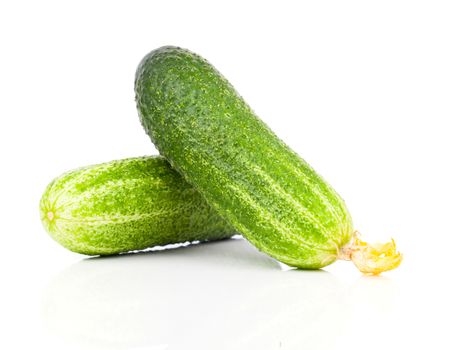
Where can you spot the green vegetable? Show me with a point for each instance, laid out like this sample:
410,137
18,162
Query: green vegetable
126,205
264,189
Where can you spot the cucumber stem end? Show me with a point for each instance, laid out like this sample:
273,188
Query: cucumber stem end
50,215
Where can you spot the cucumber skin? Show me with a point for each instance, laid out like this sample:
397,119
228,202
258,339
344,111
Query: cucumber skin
125,205
257,183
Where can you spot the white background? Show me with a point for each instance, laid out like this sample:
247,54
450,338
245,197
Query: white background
361,89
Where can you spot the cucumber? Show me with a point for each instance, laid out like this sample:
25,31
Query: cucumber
125,205
244,171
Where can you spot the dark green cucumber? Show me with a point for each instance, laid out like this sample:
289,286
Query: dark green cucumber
257,183
126,205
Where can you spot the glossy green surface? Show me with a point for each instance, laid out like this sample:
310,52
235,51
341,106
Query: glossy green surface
125,205
210,135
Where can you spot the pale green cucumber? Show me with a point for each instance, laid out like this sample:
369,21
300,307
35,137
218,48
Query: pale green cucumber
125,205
255,181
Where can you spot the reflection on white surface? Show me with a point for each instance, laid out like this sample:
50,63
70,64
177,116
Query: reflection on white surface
221,295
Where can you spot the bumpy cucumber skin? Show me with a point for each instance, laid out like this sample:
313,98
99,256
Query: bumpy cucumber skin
257,183
125,205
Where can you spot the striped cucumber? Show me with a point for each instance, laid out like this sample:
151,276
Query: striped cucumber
264,189
126,205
